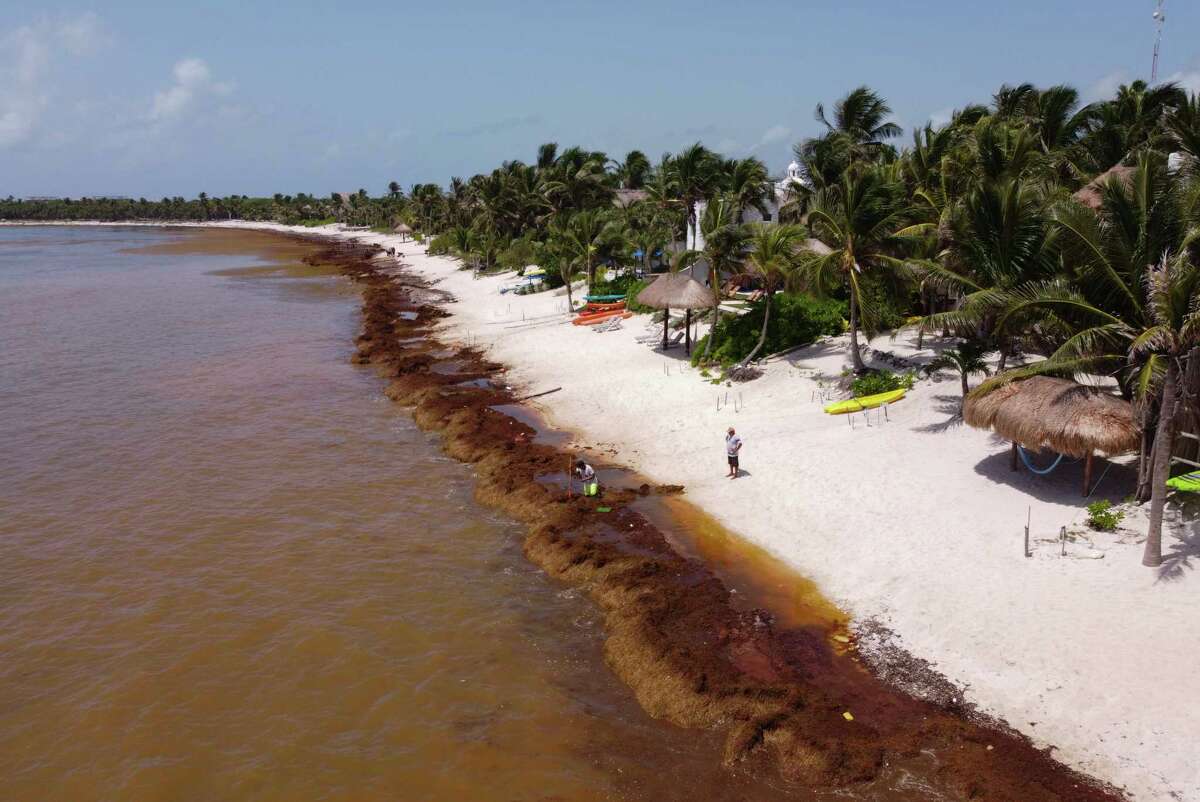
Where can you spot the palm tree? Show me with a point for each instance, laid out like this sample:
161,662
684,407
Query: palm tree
1183,125
724,248
547,155
747,183
1089,318
858,220
1001,241
1174,317
394,189
861,117
583,235
632,172
965,360
694,177
649,239
773,258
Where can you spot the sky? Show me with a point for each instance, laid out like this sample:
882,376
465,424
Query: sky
153,99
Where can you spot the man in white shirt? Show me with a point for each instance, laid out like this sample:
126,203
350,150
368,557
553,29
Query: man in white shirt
587,475
733,444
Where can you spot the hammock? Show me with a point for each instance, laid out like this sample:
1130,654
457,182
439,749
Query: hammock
1039,471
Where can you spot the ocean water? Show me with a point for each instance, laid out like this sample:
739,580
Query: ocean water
231,570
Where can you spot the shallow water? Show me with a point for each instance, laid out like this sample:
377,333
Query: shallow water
230,569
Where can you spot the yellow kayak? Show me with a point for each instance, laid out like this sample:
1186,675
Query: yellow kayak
866,402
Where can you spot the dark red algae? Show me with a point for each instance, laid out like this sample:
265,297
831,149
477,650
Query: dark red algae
781,696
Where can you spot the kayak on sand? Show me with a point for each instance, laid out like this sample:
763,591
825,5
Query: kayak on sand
866,402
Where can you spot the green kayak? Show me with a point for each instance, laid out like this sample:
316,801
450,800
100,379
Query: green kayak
1186,483
601,298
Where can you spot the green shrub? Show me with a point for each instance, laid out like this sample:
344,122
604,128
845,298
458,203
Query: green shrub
1102,516
440,245
796,319
883,381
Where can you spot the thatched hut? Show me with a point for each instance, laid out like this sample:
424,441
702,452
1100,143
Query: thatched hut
679,291
403,230
1092,194
1044,413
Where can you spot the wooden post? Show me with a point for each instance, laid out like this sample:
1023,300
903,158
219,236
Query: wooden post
1087,474
666,320
1012,466
687,327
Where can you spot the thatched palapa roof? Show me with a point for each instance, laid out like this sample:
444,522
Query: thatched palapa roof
1043,412
402,229
1092,195
677,291
627,197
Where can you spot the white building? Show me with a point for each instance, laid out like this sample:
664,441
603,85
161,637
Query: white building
781,194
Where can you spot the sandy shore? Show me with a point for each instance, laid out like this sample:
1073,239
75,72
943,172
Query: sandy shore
915,523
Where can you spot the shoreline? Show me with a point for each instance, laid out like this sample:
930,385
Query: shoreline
961,648
674,632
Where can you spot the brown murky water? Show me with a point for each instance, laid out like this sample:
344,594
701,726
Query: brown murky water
230,569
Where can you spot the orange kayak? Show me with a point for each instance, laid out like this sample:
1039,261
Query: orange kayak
588,320
592,308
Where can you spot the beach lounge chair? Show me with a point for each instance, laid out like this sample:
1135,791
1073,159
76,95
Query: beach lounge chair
675,339
612,324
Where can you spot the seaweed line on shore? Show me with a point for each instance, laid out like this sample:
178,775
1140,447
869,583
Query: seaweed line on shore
673,633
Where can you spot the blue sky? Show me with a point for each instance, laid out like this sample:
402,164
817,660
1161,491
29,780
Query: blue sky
153,98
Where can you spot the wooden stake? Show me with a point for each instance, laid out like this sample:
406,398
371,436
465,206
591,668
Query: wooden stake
1013,460
687,327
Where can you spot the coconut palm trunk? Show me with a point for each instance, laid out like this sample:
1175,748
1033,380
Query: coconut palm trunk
855,356
1162,465
716,319
762,335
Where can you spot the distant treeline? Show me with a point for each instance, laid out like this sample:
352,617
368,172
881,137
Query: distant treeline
357,208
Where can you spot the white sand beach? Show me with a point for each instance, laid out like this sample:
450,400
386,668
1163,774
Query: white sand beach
915,522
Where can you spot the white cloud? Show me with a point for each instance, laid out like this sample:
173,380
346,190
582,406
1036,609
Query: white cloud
941,117
82,35
193,82
24,55
776,133
772,136
1106,87
27,55
1188,80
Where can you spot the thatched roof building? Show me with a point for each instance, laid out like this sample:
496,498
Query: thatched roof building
679,291
627,197
1063,416
1092,195
675,291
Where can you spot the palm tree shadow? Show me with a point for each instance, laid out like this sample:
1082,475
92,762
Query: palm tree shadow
1179,560
947,404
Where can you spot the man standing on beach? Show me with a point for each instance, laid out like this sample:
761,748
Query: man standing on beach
733,444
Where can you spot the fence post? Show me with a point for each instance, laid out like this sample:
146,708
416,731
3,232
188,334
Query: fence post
1028,520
